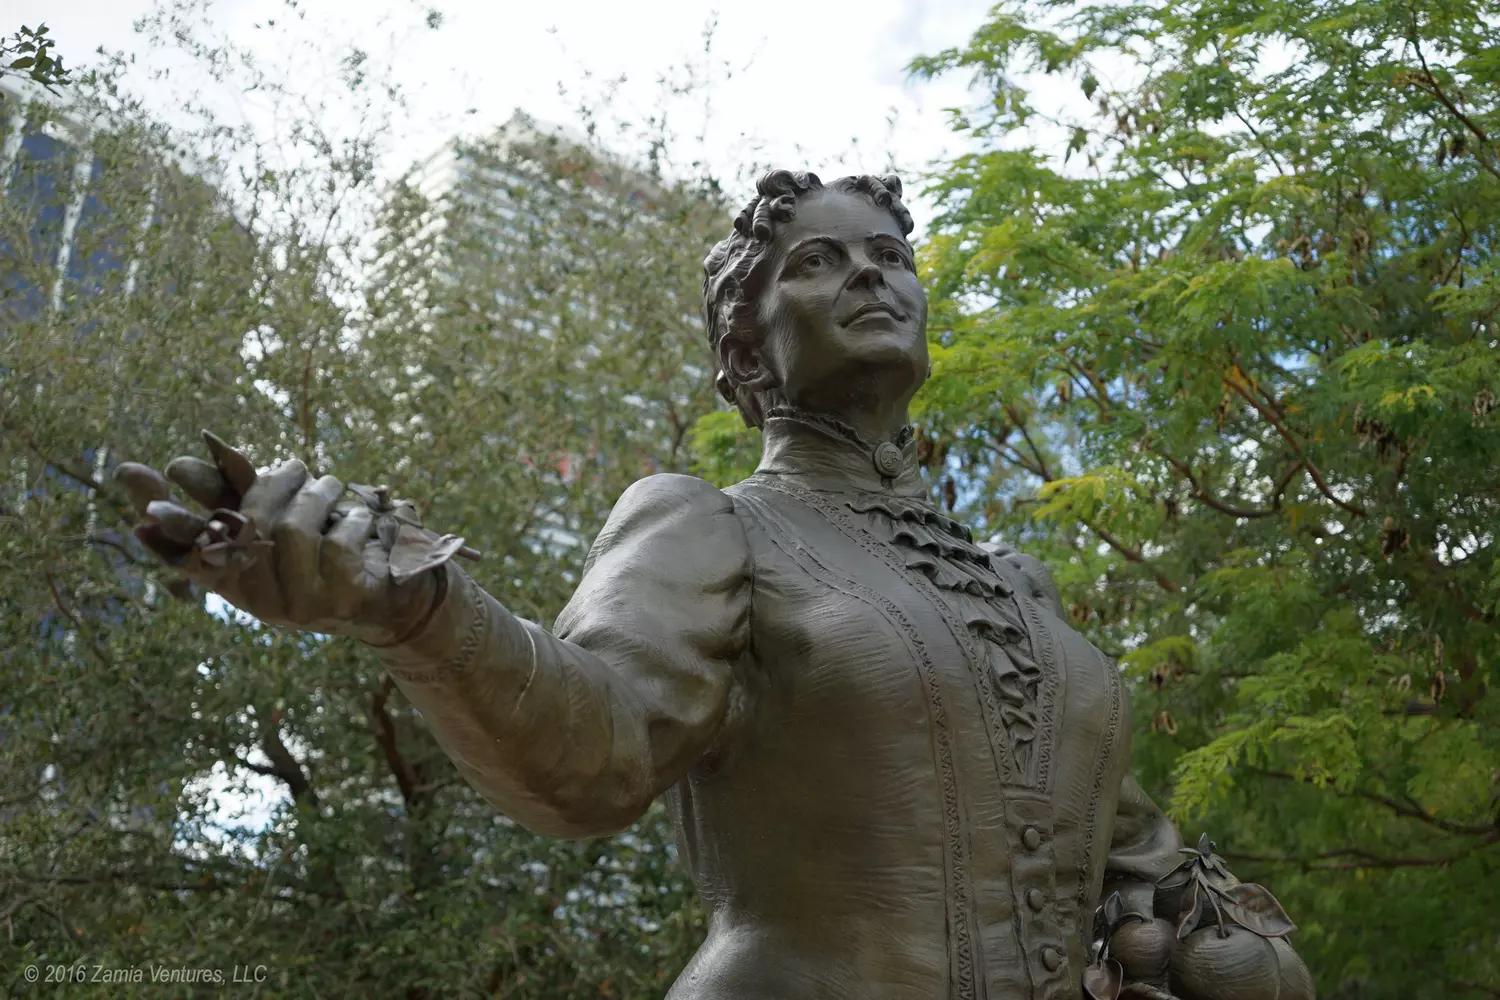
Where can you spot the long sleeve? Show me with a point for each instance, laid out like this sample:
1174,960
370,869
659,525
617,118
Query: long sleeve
573,734
1145,844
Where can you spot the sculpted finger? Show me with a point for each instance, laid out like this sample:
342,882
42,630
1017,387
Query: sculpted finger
178,524
142,484
186,558
298,536
342,561
239,473
203,482
270,494
164,548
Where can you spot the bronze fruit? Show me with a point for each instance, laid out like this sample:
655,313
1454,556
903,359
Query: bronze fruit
1143,947
1240,965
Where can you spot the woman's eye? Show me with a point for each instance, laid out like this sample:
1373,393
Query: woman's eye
813,261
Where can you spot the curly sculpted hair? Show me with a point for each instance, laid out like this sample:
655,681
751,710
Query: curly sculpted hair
736,269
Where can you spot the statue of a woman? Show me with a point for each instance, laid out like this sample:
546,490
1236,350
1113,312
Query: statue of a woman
894,769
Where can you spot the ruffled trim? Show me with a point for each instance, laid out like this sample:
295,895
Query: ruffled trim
943,550
1012,669
917,512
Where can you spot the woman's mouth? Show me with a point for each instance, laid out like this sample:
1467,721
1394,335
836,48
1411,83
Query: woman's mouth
872,309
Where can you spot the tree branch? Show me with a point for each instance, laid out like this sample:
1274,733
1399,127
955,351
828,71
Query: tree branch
1039,469
1407,810
117,546
1036,454
1202,494
36,449
1100,395
1009,452
84,634
1133,555
1429,83
116,878
285,767
1312,470
307,429
1363,859
1283,482
385,736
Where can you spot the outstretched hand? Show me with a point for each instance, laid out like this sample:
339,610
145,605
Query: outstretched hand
282,546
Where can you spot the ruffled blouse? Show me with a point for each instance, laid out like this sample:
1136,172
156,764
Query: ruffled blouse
943,550
978,582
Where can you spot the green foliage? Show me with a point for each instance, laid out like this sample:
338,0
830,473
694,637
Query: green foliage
725,450
1222,348
29,53
510,374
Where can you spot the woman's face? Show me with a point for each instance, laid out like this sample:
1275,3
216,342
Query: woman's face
846,317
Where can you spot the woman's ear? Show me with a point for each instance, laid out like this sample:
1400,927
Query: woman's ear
742,363
742,371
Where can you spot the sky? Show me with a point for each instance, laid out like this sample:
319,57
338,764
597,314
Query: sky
826,89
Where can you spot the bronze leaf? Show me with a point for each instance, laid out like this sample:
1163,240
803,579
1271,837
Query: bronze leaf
1104,980
1255,909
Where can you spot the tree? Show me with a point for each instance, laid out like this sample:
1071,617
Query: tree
511,394
29,54
1225,355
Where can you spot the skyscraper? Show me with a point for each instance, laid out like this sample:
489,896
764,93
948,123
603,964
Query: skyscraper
527,235
98,221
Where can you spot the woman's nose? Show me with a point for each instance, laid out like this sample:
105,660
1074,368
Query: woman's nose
867,274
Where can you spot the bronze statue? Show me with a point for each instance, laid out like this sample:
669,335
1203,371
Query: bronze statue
895,770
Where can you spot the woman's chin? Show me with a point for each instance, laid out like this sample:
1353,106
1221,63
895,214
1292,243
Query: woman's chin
879,333
889,372
896,347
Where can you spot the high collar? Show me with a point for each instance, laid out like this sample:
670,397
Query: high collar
820,452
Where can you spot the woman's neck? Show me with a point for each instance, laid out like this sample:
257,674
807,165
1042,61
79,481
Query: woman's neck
874,410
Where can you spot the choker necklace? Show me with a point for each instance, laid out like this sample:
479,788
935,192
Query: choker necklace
888,457
900,439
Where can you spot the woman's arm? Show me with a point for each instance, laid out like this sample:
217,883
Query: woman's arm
574,734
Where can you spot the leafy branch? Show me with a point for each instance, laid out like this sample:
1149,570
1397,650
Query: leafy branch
29,53
1407,810
137,879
